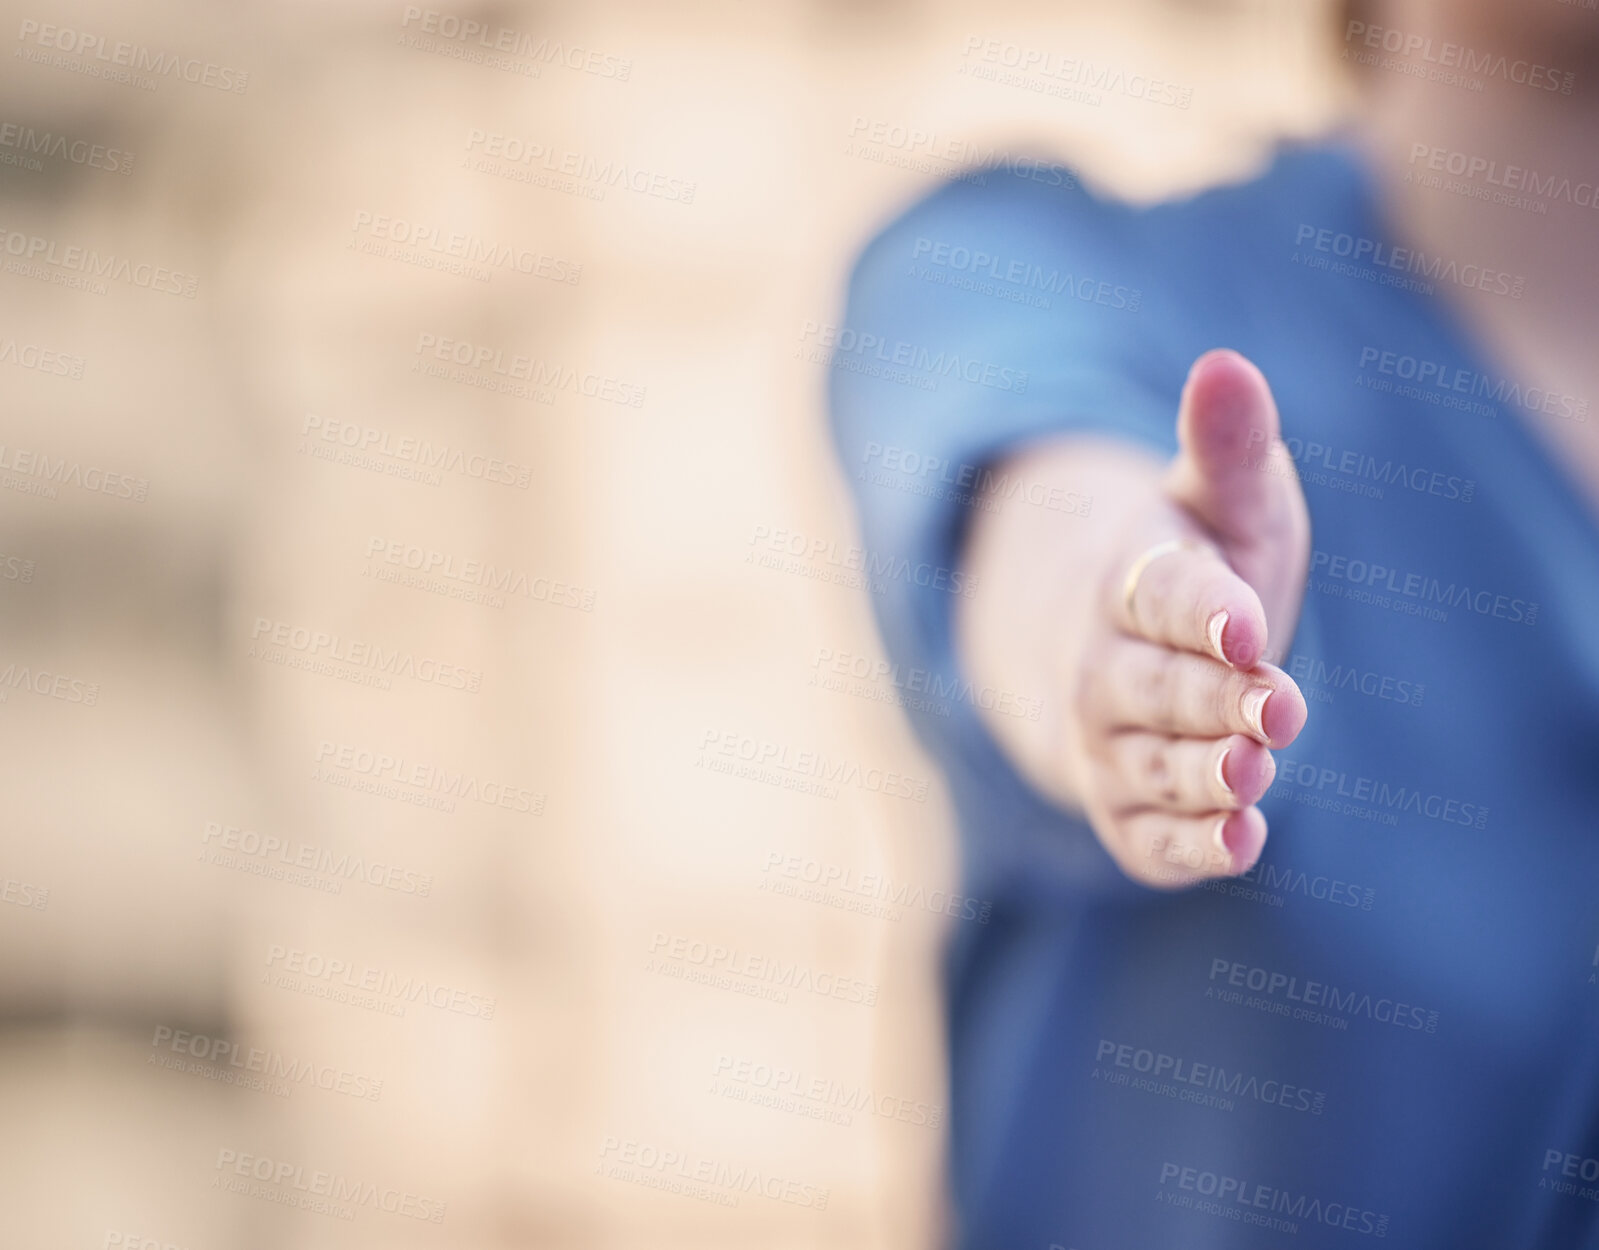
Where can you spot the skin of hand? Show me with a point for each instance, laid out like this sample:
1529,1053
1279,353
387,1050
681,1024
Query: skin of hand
1162,708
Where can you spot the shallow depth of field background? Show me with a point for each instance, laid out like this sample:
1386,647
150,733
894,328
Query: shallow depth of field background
595,717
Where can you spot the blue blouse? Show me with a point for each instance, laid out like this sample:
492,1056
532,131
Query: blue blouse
1390,1028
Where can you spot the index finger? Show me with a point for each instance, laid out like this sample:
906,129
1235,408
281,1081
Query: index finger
1183,594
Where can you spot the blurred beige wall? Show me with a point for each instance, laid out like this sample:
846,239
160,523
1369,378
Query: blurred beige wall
319,874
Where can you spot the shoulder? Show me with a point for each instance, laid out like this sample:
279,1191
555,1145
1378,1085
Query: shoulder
1012,225
988,218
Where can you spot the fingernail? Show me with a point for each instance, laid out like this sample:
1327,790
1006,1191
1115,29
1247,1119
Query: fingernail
1218,622
1221,773
1255,711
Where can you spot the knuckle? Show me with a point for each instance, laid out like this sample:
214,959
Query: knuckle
1178,692
1194,694
1159,777
1154,690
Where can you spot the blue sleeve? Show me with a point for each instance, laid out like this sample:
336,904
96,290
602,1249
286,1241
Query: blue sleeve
993,313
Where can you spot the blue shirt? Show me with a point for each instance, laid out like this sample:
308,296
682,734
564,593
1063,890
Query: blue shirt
1389,1031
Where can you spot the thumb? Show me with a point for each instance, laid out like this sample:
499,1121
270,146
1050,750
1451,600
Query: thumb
1234,475
1232,471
